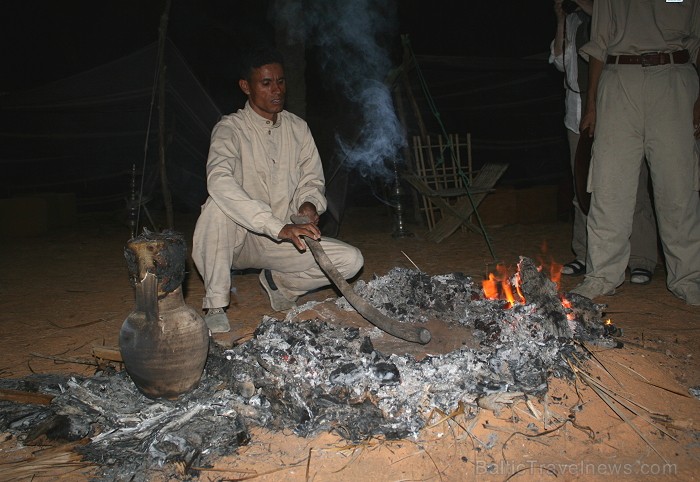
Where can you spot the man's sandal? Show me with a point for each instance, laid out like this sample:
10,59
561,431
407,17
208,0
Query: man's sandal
575,268
640,276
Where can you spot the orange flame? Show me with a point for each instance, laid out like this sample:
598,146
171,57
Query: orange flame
499,286
490,287
555,273
554,268
517,288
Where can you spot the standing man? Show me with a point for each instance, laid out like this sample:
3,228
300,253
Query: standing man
573,31
263,167
643,100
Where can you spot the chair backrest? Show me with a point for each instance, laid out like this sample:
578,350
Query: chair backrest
445,167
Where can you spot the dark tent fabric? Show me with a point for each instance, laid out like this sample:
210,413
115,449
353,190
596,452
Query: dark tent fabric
84,133
513,108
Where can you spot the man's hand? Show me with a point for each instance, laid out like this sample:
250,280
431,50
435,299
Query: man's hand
293,233
307,227
595,69
588,122
308,210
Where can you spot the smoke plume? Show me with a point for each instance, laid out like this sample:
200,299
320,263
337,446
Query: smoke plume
351,37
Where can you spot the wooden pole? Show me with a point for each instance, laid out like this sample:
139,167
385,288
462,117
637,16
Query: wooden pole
167,197
405,67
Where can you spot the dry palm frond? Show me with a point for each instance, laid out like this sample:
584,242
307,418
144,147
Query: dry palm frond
439,472
293,465
541,467
670,390
414,264
589,380
599,363
217,469
546,415
535,413
308,464
646,380
413,454
421,450
460,410
615,402
446,416
524,413
356,453
633,371
587,430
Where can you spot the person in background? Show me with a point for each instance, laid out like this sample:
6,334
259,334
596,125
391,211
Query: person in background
263,167
573,31
643,101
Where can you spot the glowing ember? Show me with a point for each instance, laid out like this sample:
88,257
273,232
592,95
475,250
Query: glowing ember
567,304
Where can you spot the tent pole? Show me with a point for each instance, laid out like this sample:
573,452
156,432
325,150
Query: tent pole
167,197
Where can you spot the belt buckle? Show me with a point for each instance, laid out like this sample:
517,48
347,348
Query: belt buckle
650,59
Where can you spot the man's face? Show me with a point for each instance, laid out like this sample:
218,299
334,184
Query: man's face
266,90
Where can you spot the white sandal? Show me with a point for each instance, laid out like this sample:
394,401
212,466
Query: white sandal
575,268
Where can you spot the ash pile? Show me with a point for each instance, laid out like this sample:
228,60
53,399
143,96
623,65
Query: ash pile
313,376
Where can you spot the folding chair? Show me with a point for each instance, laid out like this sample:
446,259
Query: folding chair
449,186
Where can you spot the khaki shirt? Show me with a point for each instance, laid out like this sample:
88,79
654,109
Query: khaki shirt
634,27
259,173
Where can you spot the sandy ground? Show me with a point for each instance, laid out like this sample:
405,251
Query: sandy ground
65,292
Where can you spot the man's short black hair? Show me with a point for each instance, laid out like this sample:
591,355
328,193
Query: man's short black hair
255,58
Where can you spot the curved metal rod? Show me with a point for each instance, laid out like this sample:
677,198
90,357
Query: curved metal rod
370,313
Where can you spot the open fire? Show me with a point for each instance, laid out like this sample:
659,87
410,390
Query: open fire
324,375
505,285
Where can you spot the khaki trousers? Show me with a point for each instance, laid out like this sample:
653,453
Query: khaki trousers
645,112
219,244
644,250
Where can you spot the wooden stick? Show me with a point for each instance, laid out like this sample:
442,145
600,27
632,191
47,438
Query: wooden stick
79,361
107,353
414,264
405,331
21,396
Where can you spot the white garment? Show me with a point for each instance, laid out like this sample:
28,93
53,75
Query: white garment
258,174
567,62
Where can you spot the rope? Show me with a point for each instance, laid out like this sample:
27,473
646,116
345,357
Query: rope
436,113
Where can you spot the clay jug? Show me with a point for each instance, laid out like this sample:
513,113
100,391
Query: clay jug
164,342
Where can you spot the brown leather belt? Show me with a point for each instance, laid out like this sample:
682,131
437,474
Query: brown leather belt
651,59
